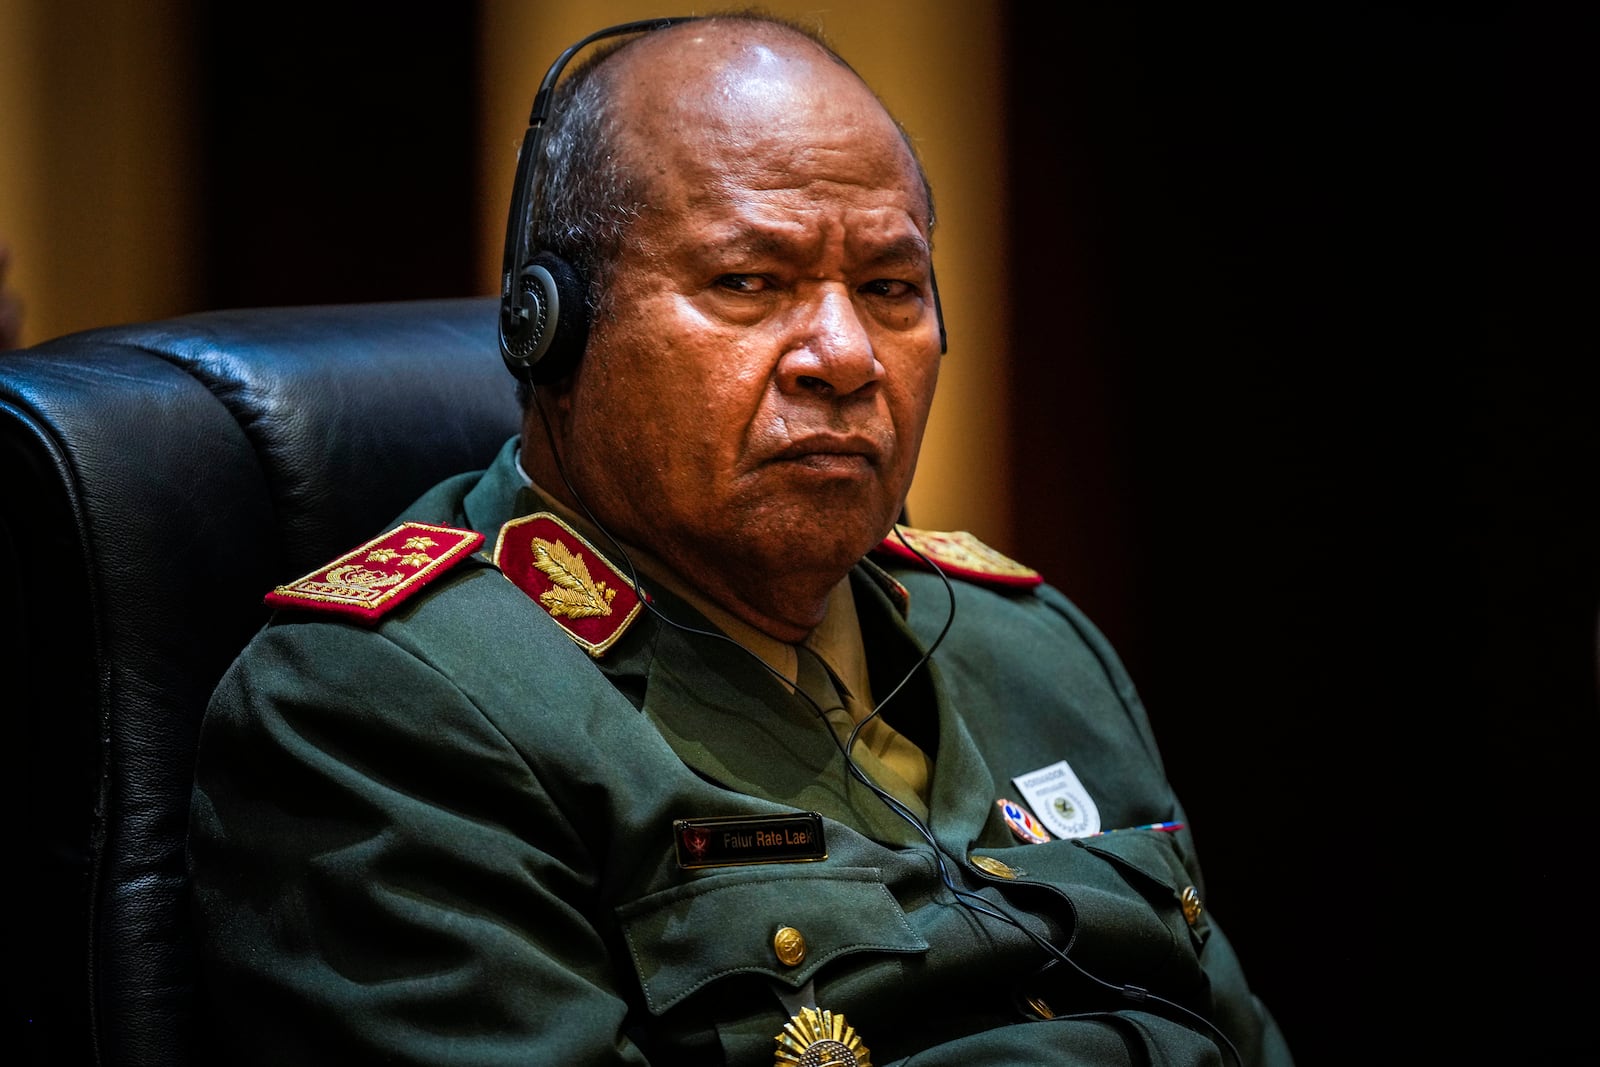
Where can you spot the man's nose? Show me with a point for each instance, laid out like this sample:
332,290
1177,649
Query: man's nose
831,351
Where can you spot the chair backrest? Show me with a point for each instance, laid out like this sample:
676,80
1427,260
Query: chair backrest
155,481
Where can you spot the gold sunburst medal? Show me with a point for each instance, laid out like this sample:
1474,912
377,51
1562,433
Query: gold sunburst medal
819,1038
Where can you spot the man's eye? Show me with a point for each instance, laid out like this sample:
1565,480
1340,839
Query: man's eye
742,283
892,288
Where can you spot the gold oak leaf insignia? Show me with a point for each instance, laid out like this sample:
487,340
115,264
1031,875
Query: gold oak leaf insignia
576,595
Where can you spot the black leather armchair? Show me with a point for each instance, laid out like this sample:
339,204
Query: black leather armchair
158,479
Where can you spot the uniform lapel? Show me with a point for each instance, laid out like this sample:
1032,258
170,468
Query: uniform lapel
963,792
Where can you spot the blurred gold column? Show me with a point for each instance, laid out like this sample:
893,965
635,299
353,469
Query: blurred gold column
937,65
96,152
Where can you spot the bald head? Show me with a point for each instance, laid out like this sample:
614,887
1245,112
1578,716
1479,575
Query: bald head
731,72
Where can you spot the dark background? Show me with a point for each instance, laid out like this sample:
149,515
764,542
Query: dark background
1304,302
1301,304
339,155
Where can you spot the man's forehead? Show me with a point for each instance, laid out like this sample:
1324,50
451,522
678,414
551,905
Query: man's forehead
724,99
886,234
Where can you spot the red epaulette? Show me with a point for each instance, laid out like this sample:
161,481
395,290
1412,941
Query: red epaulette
371,581
551,562
958,554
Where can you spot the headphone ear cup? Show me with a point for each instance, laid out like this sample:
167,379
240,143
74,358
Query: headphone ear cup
546,346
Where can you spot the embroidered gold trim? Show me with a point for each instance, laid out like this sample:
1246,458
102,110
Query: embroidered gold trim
575,597
347,585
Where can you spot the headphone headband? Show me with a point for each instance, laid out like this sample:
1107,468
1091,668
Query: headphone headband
532,283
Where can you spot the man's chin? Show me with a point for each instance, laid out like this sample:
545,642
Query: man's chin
829,544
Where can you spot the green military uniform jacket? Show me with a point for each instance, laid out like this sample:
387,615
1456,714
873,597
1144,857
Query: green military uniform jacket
448,838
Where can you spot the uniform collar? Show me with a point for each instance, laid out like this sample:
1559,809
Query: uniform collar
836,640
698,692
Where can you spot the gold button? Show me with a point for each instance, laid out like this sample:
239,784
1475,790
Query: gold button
1191,904
790,945
990,865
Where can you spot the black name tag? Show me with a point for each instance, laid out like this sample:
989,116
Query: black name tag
731,840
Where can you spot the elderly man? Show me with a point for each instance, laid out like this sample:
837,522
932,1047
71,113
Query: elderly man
647,745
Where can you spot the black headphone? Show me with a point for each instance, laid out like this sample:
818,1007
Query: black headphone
544,315
544,318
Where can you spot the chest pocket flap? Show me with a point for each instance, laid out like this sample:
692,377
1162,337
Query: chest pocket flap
684,938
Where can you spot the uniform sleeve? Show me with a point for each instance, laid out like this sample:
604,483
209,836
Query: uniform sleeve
379,877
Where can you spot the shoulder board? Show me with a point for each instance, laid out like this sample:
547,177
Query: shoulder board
369,582
584,594
958,554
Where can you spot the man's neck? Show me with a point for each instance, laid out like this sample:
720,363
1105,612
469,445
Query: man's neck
784,613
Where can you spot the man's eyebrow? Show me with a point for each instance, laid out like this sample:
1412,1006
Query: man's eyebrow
760,241
751,241
908,249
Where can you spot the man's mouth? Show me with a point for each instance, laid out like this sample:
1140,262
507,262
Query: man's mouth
832,451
